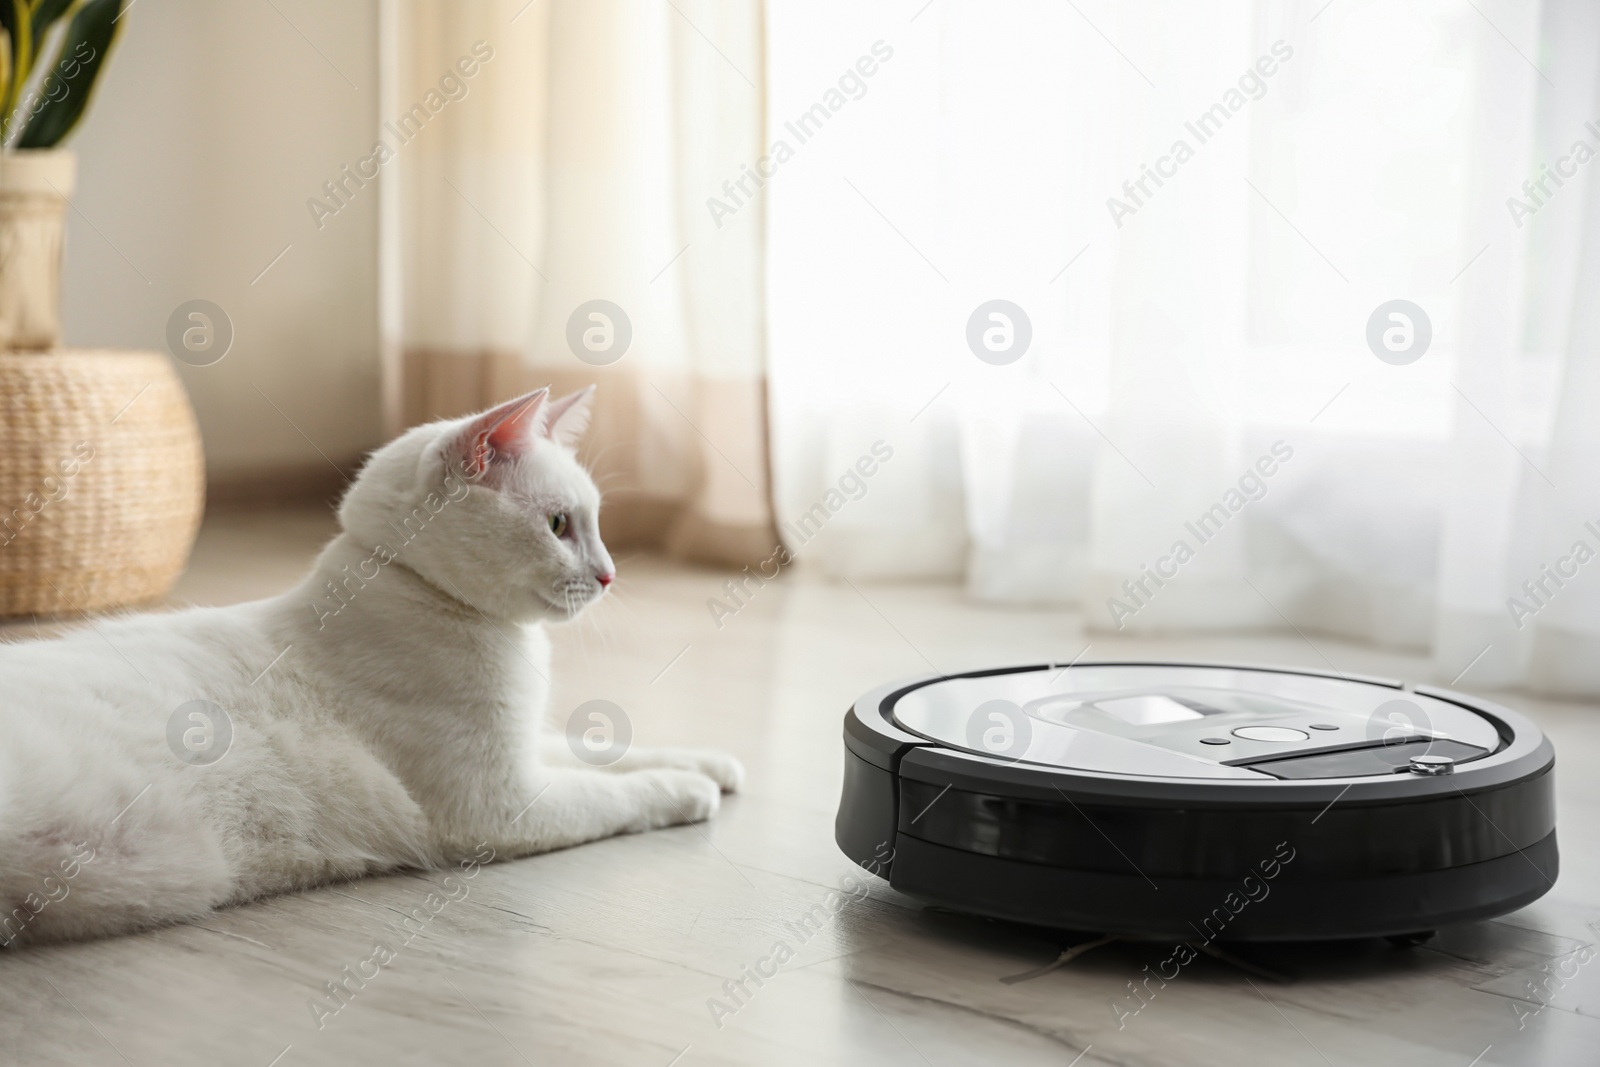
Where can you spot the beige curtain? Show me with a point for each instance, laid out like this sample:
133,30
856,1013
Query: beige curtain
550,155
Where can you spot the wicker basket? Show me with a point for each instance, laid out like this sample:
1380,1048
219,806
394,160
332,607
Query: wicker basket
102,480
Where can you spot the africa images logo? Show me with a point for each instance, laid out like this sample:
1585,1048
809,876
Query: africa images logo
851,85
1251,487
1252,85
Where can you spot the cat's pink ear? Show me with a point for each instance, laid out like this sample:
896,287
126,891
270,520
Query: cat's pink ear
501,433
567,418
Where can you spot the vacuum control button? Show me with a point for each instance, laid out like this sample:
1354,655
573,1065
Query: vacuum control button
1215,741
1432,765
1270,733
1323,726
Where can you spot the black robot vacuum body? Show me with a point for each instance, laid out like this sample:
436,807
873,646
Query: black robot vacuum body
1198,801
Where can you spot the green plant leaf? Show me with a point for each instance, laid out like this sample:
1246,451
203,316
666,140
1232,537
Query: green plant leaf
45,14
9,16
83,54
5,75
14,13
17,21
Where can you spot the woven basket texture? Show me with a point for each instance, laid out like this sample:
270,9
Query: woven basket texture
102,480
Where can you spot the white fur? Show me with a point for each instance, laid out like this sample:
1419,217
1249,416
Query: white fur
402,730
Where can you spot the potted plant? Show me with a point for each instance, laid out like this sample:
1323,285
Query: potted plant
102,477
51,53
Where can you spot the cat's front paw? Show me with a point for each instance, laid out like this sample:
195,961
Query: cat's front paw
680,796
720,767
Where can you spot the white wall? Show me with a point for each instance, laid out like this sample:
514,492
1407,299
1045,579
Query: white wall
213,125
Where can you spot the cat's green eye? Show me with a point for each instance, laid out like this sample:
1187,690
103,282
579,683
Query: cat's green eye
558,524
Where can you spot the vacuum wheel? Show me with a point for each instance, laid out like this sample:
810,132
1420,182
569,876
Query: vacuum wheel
1411,940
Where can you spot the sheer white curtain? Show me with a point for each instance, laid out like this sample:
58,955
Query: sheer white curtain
1199,371
550,155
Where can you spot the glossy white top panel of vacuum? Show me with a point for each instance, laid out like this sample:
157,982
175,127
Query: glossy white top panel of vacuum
1173,721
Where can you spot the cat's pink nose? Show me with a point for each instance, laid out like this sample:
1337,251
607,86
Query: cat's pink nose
605,579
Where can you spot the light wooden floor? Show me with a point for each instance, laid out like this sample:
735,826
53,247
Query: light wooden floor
608,953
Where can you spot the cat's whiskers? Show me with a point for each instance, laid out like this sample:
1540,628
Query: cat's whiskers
596,616
585,612
594,461
599,616
618,596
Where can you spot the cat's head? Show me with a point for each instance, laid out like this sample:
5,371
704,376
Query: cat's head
492,508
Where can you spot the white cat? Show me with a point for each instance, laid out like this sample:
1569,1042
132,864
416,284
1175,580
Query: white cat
385,713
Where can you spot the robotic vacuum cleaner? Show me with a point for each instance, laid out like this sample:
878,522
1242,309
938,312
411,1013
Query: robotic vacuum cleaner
1189,800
